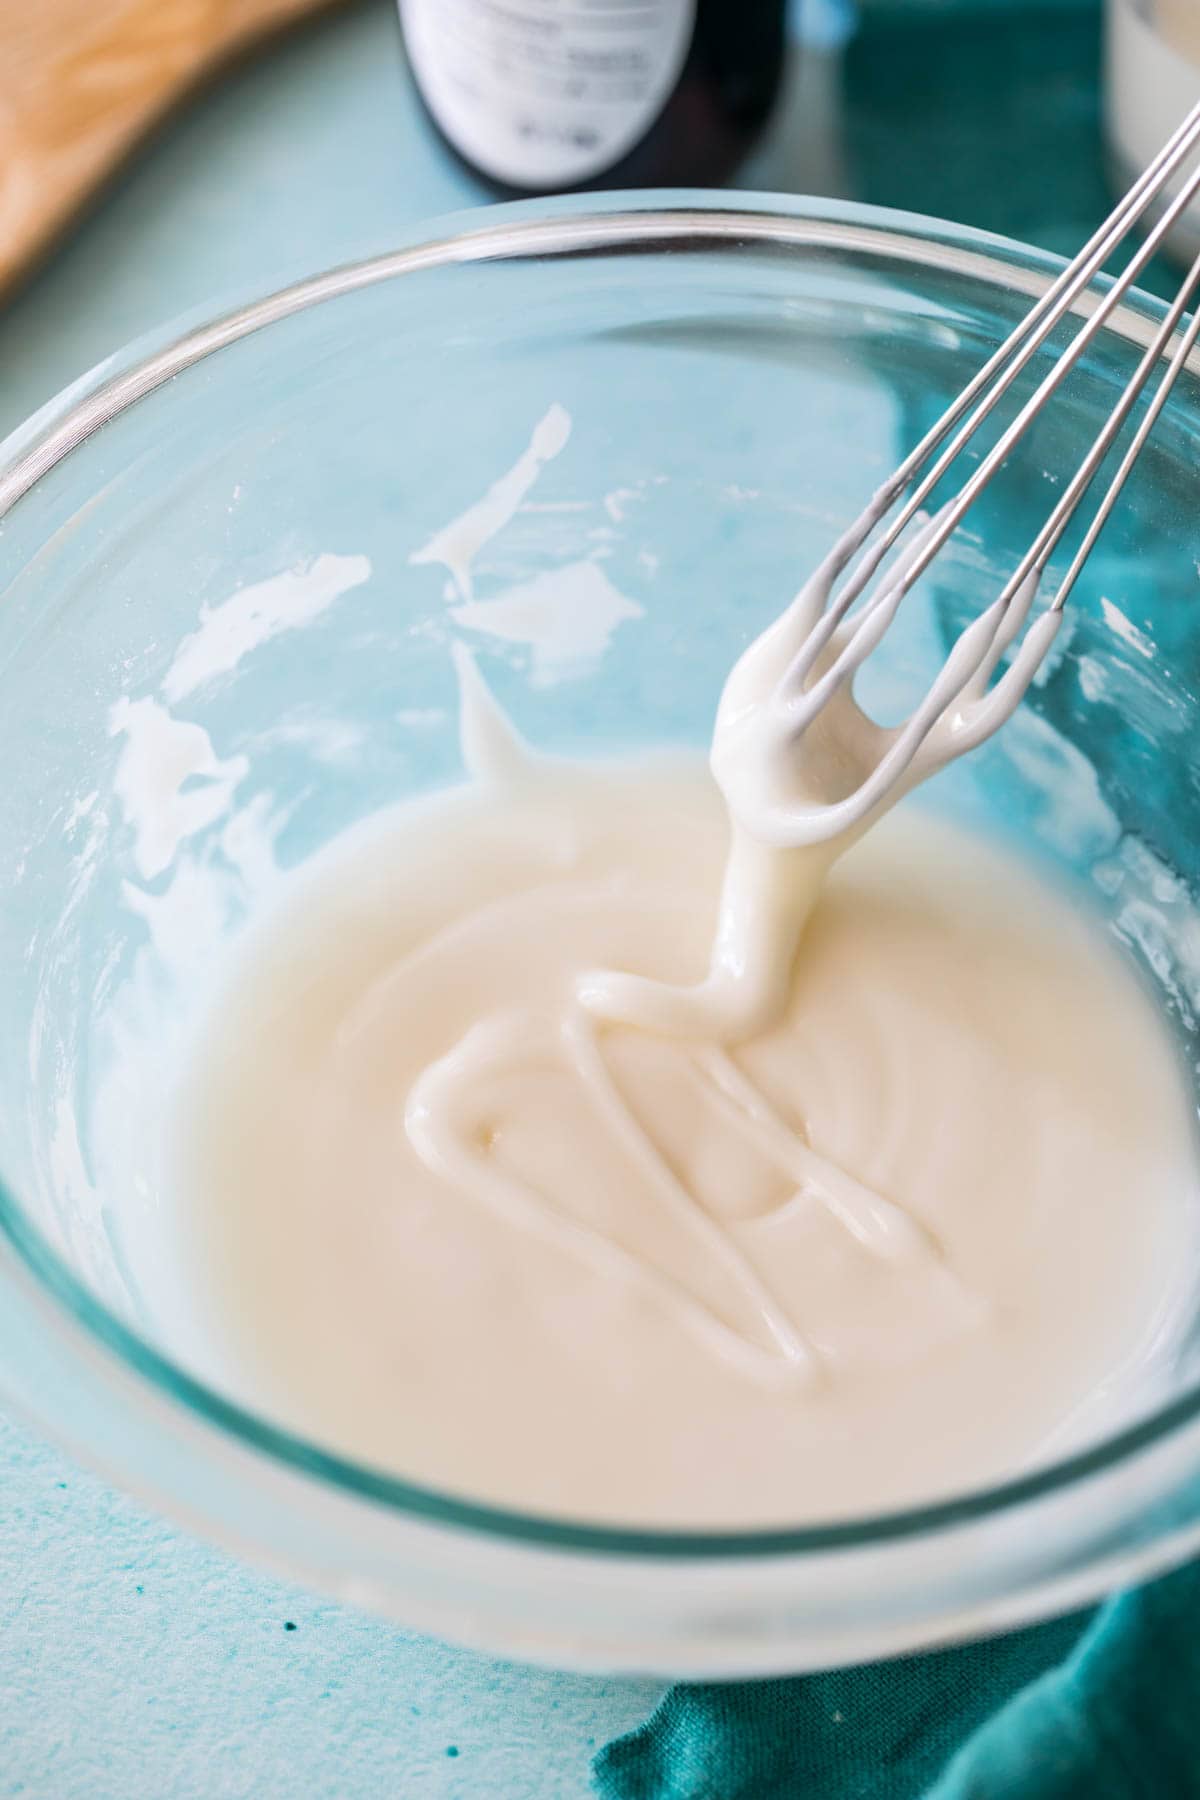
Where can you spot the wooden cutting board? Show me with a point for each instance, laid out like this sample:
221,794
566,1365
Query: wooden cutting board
82,80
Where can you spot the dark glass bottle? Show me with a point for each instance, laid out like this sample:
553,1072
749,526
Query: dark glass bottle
547,96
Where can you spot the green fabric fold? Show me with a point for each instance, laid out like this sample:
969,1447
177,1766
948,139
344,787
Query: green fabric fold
1100,1706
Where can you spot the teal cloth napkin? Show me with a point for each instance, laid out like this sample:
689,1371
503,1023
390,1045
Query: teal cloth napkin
1099,1706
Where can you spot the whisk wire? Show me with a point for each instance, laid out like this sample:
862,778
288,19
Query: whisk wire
855,637
1017,349
1179,357
1012,435
1064,290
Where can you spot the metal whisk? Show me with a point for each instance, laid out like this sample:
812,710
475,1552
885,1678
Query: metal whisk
824,638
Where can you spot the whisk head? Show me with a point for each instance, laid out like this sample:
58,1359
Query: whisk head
808,661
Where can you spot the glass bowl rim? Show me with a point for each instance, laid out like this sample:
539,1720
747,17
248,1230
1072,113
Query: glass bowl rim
568,226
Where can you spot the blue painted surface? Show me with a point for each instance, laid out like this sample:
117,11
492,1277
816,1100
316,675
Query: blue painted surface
309,154
134,1662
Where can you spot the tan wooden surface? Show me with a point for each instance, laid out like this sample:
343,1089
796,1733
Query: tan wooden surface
82,80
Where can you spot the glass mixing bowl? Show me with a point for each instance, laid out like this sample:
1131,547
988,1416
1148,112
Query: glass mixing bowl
215,534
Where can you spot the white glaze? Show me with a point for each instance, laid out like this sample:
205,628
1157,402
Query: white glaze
445,1219
579,1143
804,772
565,616
256,613
169,781
457,544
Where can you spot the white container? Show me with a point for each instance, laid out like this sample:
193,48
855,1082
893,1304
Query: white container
1152,80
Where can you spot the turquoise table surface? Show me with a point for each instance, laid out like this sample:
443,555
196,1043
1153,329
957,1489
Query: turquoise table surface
136,1664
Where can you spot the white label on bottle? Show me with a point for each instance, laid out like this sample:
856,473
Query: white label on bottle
546,93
